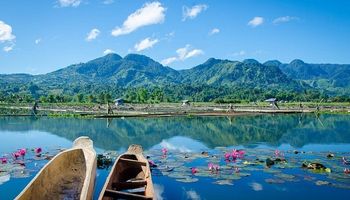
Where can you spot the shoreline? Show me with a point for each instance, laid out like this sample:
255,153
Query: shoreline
162,110
199,111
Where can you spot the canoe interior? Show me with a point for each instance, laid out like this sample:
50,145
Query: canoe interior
129,179
63,178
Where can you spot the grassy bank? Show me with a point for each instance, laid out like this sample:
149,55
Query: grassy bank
195,108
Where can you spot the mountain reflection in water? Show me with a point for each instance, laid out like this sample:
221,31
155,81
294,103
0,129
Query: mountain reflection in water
273,130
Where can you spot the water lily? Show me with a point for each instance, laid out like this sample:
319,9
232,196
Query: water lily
38,150
216,167
164,151
278,153
347,171
16,155
234,154
241,153
227,156
3,160
213,167
194,170
210,166
237,154
22,152
152,163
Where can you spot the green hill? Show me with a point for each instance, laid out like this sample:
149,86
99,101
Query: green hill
211,80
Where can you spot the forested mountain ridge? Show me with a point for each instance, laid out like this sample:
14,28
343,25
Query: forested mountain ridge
215,78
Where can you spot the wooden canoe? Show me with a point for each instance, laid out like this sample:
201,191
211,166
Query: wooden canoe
130,177
69,175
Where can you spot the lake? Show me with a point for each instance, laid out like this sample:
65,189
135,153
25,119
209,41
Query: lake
195,142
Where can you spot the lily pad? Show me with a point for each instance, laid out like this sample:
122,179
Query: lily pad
187,180
223,182
274,181
4,178
319,183
285,176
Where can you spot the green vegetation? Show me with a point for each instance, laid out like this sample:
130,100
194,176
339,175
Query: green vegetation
139,79
174,93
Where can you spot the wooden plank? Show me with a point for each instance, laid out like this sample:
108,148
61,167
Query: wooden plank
124,195
129,161
129,185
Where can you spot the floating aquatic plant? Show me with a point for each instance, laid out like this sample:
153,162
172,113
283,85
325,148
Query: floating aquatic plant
224,182
274,181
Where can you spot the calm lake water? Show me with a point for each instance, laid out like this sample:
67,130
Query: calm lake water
186,138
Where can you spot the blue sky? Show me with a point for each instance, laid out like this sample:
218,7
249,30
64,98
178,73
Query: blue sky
39,36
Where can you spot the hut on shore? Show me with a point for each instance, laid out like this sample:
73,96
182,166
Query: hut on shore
185,102
119,102
273,102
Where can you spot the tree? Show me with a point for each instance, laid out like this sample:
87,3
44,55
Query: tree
51,98
107,98
91,98
101,97
80,98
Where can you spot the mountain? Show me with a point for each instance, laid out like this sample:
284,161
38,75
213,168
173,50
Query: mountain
133,70
332,77
249,73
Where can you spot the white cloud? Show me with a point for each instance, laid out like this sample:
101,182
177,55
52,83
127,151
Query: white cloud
256,21
92,34
149,14
158,191
69,3
6,32
108,51
108,2
145,44
37,41
193,195
174,147
256,186
214,31
193,53
192,13
171,34
183,54
8,48
168,61
4,179
239,53
284,19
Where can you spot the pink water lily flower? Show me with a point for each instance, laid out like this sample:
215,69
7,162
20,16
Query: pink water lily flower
241,153
347,171
16,155
278,153
22,152
194,170
152,163
237,154
234,154
210,166
216,167
38,150
227,156
164,151
3,160
213,167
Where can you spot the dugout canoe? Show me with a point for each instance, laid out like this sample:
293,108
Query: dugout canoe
130,177
69,175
